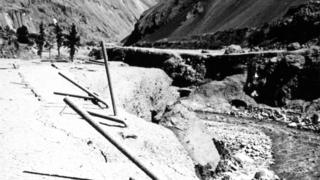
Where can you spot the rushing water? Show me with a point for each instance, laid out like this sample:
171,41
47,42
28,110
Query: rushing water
296,152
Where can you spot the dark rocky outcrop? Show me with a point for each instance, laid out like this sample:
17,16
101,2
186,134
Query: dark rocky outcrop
275,81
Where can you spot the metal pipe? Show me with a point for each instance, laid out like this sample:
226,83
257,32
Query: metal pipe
109,118
98,62
74,95
105,57
84,89
114,142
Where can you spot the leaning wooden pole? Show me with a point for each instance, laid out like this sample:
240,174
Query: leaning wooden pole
123,150
105,57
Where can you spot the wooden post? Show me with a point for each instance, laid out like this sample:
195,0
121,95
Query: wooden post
105,57
123,150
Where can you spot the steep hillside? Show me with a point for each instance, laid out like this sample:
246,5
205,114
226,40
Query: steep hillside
110,19
175,19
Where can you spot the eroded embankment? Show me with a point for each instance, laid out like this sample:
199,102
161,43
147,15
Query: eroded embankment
57,141
273,78
187,68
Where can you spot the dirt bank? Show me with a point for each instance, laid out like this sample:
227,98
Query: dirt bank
36,135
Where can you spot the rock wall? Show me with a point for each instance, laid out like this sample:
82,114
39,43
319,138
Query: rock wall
275,81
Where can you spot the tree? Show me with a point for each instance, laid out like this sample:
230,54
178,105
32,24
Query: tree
50,38
73,41
49,44
23,34
41,39
59,37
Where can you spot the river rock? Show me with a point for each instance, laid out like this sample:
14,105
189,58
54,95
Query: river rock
293,125
294,46
233,49
265,174
315,118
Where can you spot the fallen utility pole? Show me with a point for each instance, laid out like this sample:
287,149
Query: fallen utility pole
123,150
84,89
105,57
74,95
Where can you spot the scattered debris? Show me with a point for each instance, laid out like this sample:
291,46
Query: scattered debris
128,136
104,156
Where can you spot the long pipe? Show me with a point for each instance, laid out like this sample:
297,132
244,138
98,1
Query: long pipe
105,57
123,150
83,89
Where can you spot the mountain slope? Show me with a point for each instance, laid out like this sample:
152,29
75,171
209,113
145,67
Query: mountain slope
109,19
175,19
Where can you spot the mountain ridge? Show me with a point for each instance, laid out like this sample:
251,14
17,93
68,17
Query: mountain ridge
177,19
107,19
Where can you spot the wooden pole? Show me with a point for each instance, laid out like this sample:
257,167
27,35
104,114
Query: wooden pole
123,150
105,57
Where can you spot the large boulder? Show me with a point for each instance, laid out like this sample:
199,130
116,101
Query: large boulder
233,49
192,134
294,46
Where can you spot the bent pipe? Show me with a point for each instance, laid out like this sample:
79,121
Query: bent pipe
123,124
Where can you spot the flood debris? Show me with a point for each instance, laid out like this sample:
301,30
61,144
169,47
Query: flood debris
123,150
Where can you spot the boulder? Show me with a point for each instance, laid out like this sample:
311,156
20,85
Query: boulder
294,46
192,134
265,174
293,125
233,49
315,119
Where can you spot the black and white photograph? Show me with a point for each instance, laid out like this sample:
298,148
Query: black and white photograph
160,89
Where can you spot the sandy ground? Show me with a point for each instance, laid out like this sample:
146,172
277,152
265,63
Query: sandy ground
36,136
